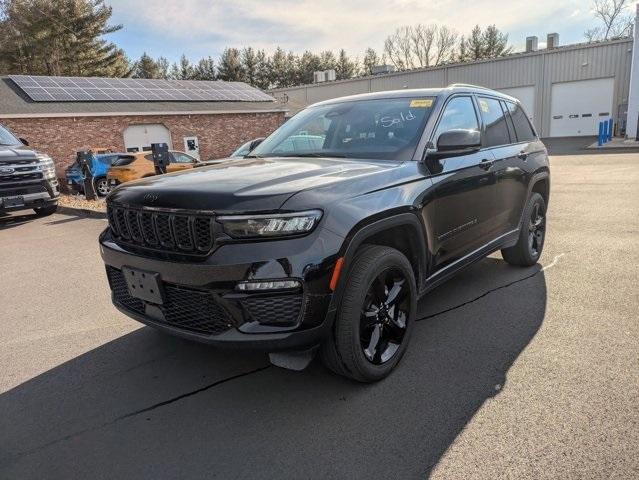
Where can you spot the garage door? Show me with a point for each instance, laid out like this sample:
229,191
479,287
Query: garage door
138,138
576,108
526,95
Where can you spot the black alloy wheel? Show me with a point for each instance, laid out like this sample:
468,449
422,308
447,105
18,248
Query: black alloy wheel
384,316
536,230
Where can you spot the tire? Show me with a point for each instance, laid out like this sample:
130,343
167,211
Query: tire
527,250
346,352
46,211
101,186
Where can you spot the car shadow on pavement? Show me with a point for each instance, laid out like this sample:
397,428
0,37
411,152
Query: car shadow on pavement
146,405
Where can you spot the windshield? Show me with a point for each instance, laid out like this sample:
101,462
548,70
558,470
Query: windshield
387,128
7,138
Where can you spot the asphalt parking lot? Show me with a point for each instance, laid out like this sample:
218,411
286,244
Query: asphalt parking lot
512,373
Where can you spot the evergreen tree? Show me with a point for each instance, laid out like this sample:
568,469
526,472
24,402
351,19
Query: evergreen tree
277,68
230,65
249,65
146,67
370,60
345,67
489,43
59,37
327,60
205,69
306,65
186,70
163,67
262,70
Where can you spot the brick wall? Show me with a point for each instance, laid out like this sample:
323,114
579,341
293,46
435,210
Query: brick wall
219,135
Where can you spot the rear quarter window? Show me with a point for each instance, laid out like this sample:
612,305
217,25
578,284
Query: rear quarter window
523,128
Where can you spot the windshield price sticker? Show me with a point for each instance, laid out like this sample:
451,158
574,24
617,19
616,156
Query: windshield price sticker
483,104
421,103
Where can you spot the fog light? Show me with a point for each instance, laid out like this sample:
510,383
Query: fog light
268,285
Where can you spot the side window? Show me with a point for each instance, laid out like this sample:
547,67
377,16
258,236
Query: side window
178,157
523,129
494,121
459,114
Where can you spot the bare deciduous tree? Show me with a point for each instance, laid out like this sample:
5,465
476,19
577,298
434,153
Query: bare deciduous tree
617,21
420,46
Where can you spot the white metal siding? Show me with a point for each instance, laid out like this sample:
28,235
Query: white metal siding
539,70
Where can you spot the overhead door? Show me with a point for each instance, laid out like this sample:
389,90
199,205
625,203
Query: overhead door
576,108
526,95
138,138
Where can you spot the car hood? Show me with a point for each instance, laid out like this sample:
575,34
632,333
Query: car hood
10,153
241,185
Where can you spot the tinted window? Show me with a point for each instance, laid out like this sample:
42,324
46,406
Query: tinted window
494,121
524,131
459,114
387,128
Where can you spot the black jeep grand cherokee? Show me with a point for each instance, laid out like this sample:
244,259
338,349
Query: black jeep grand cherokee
330,243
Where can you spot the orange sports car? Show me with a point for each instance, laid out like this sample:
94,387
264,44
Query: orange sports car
133,166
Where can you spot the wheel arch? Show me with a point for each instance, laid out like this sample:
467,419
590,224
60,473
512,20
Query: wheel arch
403,232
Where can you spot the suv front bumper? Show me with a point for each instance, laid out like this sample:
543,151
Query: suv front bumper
34,195
201,302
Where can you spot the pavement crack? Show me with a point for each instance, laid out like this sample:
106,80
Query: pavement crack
554,262
189,394
137,412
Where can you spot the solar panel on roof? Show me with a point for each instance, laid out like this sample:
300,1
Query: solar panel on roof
89,89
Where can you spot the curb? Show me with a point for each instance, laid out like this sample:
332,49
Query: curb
83,212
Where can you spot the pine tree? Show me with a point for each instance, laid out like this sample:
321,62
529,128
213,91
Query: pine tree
146,67
249,65
59,37
230,65
186,70
163,66
370,60
306,65
205,69
327,60
345,67
489,43
262,70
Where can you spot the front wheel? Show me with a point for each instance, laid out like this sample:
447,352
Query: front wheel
532,235
102,187
376,316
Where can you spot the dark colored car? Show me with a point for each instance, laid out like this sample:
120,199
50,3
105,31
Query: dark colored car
99,165
331,247
27,177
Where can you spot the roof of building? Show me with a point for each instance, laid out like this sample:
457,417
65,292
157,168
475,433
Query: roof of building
14,103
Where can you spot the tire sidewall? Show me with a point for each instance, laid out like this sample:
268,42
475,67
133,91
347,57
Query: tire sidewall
350,314
535,198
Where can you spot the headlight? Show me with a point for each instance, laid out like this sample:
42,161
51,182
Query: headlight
46,166
276,225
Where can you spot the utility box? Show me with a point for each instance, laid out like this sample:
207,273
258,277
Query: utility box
330,75
319,77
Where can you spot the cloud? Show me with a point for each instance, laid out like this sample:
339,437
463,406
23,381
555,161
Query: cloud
298,25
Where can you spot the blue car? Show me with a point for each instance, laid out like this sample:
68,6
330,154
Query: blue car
99,165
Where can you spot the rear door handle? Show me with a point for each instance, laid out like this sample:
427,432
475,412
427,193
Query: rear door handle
522,155
486,164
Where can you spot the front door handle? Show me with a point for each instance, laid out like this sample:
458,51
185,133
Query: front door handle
486,164
522,155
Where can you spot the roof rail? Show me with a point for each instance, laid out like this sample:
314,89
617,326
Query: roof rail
467,85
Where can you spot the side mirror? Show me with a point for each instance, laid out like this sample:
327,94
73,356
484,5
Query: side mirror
458,142
24,141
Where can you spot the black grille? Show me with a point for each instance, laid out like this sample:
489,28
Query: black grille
183,308
283,310
180,233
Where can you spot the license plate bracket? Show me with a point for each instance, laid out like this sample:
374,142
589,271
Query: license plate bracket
16,201
144,285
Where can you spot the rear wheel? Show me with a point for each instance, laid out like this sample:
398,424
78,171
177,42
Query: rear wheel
530,244
102,187
45,211
375,320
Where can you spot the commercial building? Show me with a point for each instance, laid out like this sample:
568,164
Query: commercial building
567,90
61,115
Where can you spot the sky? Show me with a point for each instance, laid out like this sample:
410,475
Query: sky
200,28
